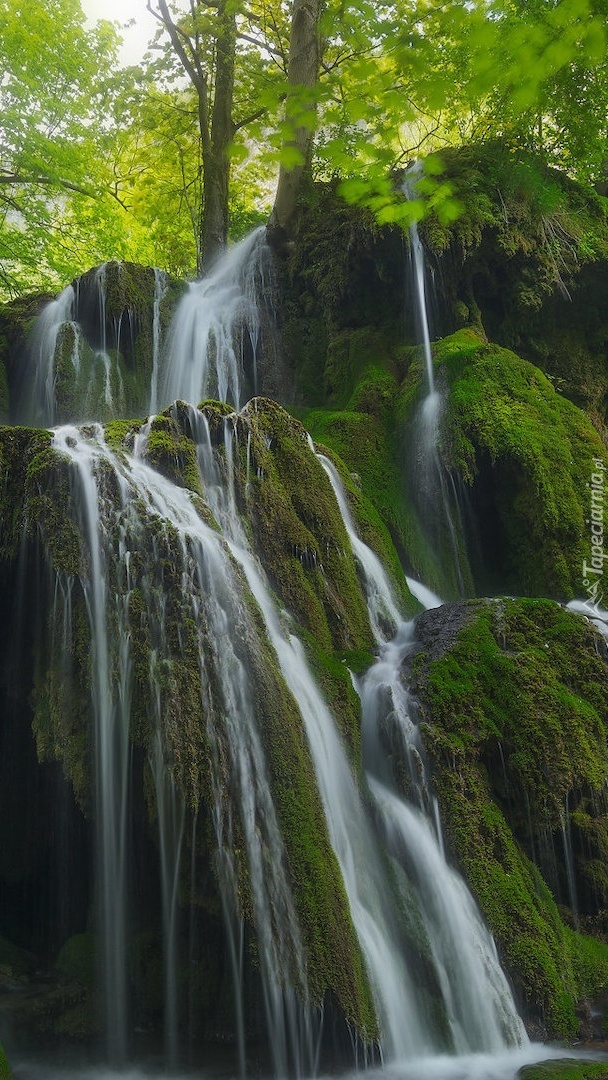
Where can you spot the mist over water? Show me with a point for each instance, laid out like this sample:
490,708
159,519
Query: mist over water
504,1066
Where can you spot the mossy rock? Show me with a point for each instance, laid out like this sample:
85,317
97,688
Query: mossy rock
514,702
76,959
20,449
172,452
523,232
16,320
299,533
565,1069
527,457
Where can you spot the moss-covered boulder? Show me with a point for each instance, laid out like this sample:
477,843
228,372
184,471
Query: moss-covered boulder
17,318
514,703
344,275
362,436
531,464
565,1069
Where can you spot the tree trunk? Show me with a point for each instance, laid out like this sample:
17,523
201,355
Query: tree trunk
216,145
303,75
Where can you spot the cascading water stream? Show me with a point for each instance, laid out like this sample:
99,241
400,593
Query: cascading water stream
480,1010
405,1029
124,497
216,326
418,268
436,495
111,676
478,1003
160,291
42,408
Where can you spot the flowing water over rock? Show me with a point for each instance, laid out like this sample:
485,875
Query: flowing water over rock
434,489
84,344
479,1007
214,339
125,510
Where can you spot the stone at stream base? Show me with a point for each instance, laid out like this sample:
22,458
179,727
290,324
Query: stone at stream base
565,1069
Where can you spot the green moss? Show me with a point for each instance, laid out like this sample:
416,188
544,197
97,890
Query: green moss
118,432
537,218
47,494
528,456
333,955
517,708
60,697
298,530
21,452
172,453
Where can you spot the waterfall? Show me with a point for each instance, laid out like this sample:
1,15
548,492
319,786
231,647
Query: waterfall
77,372
596,614
435,493
160,290
133,521
136,524
215,331
110,699
419,279
41,408
480,1010
404,1026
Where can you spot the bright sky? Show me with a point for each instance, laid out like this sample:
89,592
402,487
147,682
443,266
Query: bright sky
136,38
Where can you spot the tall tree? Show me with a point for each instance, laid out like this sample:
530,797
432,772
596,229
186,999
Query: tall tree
205,42
300,113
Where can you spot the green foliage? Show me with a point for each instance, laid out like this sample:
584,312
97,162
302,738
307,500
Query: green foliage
53,89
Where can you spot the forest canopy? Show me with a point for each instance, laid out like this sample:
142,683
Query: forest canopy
162,162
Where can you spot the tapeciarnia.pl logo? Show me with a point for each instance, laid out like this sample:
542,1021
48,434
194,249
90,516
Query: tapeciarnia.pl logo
593,571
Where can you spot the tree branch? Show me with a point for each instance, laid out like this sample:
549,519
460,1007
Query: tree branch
249,119
189,63
19,178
